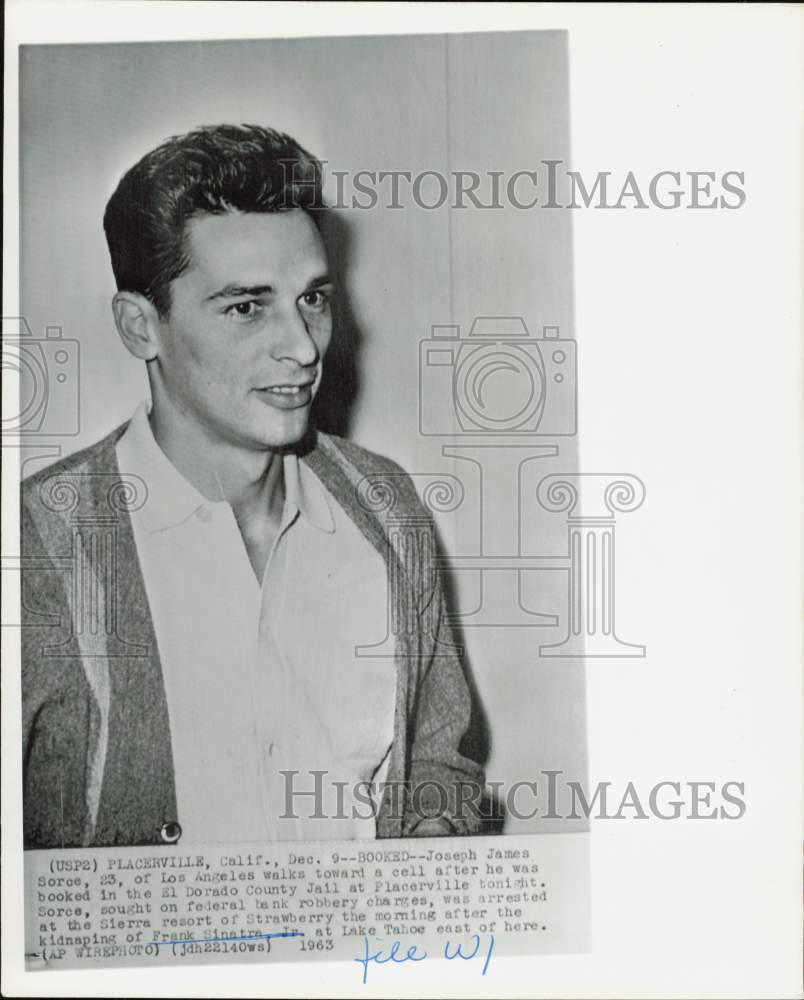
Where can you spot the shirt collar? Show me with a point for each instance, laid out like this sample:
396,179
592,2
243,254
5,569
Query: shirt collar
172,499
305,494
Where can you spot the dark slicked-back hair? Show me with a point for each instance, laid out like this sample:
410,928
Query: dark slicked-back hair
212,170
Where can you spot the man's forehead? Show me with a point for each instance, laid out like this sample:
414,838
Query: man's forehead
283,241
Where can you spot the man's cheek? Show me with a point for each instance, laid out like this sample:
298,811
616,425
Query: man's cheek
200,344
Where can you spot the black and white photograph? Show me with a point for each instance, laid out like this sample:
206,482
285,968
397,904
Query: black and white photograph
370,592
259,606
322,551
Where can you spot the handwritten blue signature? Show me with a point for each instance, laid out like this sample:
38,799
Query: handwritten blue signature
412,954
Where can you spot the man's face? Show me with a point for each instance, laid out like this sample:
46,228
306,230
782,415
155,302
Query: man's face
240,353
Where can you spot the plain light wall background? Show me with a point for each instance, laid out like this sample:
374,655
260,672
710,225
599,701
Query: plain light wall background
463,102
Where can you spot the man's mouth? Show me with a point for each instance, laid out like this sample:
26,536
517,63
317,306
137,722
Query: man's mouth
288,394
287,390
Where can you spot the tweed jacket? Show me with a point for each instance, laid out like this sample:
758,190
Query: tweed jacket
97,757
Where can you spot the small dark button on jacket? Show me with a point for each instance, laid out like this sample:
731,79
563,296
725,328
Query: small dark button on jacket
170,833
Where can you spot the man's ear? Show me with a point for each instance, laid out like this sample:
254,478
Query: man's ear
137,323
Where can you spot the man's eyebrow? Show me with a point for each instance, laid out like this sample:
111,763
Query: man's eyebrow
323,279
233,291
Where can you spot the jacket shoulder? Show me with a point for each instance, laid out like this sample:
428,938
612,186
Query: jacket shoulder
367,462
96,457
378,484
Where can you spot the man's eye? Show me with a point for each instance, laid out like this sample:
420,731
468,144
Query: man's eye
316,300
243,310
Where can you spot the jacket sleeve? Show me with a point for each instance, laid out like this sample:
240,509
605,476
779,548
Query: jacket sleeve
57,716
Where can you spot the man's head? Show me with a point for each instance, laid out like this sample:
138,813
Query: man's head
222,281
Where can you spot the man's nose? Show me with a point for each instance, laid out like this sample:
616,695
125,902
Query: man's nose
294,341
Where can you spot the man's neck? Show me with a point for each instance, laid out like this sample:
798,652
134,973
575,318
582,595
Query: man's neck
251,481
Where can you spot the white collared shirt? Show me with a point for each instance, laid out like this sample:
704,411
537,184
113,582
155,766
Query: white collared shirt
261,679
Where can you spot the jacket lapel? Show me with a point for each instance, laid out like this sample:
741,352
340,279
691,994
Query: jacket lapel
137,791
342,478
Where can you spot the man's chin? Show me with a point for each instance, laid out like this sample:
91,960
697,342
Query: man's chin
286,438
